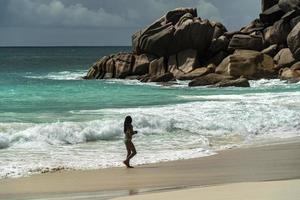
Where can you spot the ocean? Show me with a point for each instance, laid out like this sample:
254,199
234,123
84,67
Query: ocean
52,119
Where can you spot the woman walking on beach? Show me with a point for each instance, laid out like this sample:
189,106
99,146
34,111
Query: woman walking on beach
129,132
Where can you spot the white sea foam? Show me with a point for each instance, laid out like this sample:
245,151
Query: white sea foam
62,75
169,132
270,83
260,97
4,141
173,84
260,84
60,133
68,145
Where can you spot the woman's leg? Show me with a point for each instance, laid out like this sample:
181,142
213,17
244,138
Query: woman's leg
131,152
128,150
126,161
132,149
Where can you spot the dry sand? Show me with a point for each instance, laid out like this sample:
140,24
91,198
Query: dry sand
267,163
274,190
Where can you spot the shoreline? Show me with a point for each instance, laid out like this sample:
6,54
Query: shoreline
269,162
262,143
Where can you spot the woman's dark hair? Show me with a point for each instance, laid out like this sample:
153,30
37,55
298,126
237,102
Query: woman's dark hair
127,123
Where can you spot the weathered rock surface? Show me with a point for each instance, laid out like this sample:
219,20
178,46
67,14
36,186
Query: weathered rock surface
288,5
266,4
295,21
277,34
113,66
247,63
271,15
271,50
98,69
289,16
219,44
157,67
217,58
123,64
219,29
254,26
181,45
249,42
109,69
296,66
284,58
291,74
209,79
141,64
183,62
294,41
176,31
240,82
162,78
195,73
219,80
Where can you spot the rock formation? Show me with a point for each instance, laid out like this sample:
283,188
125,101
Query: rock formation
219,81
174,32
291,74
294,41
180,45
284,58
247,63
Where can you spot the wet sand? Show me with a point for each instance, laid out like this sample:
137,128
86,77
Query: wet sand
255,164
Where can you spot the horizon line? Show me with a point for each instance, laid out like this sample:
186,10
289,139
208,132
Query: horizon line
34,46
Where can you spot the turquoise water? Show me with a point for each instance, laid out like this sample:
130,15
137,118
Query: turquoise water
50,117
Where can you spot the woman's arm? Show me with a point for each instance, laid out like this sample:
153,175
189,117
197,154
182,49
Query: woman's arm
132,132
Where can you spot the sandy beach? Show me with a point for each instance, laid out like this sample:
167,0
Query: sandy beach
273,190
256,164
201,97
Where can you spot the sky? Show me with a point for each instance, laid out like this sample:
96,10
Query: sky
104,22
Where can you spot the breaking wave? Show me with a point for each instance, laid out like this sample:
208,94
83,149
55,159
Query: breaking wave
248,115
62,75
166,132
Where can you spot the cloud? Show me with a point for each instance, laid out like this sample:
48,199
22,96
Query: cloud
104,22
208,10
56,13
116,13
